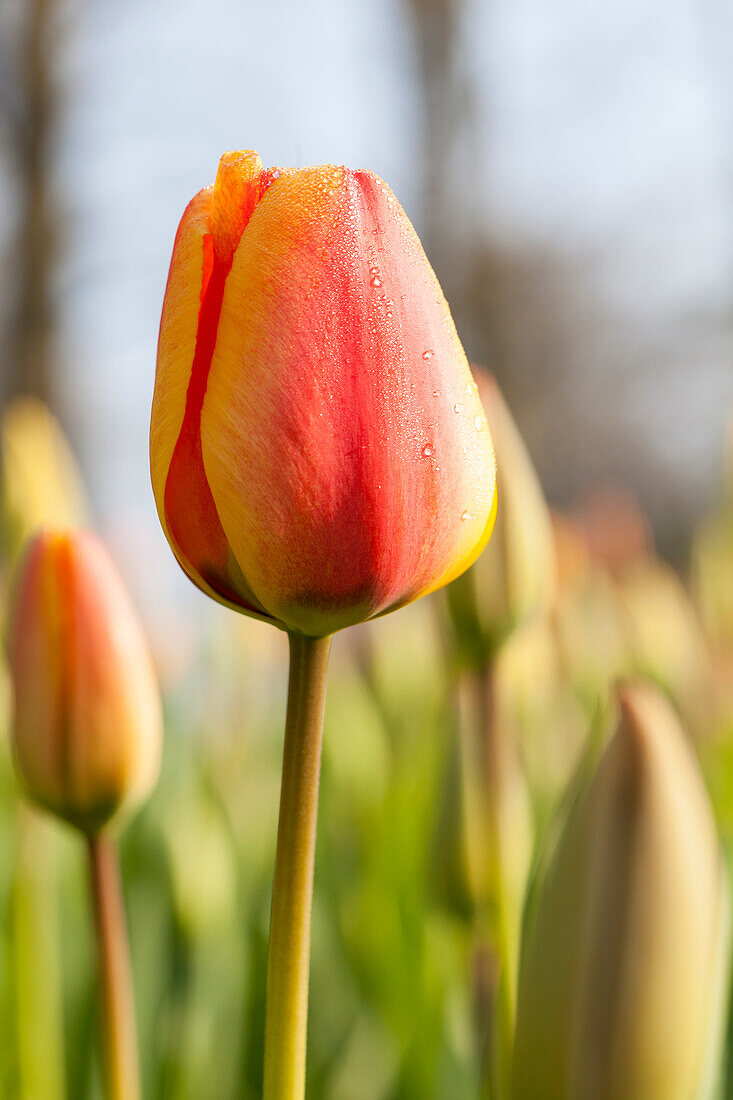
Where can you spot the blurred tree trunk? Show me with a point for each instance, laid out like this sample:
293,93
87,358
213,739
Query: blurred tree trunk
30,113
28,36
448,138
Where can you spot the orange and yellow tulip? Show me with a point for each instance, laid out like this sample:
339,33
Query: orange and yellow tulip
319,453
87,725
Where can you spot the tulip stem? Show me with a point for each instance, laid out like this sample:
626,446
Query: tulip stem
117,1010
290,922
486,765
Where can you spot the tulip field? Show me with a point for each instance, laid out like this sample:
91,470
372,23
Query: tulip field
489,857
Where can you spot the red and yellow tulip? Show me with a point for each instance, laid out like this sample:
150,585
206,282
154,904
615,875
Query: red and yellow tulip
319,452
87,725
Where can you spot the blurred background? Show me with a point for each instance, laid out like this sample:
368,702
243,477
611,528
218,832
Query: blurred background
570,172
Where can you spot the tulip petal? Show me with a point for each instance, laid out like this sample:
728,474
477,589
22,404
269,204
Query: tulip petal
177,340
199,267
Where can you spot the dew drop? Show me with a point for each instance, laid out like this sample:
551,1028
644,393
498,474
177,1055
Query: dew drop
427,451
436,393
465,515
375,280
428,354
456,408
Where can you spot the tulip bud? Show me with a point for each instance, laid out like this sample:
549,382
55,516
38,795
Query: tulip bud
515,579
621,993
41,483
614,528
319,454
712,576
87,724
669,645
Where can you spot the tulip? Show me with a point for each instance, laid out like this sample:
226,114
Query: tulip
712,576
615,529
515,579
668,642
319,454
87,737
41,484
87,715
623,976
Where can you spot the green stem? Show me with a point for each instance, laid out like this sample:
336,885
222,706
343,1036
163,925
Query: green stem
115,978
487,769
36,955
290,922
499,767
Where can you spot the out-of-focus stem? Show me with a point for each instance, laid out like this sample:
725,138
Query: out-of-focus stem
499,768
488,775
36,969
115,979
290,923
498,771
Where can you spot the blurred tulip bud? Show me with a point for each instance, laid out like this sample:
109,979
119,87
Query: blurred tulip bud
712,577
319,454
624,969
87,725
41,483
593,635
571,551
667,638
615,530
515,578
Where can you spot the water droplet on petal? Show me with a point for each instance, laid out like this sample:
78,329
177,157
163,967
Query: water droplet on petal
427,451
465,515
456,408
428,354
375,280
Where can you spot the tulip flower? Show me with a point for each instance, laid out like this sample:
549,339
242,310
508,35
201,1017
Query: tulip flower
623,977
667,638
87,716
87,736
319,457
41,484
515,579
319,453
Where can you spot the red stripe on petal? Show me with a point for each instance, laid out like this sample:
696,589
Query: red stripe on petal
193,521
191,513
